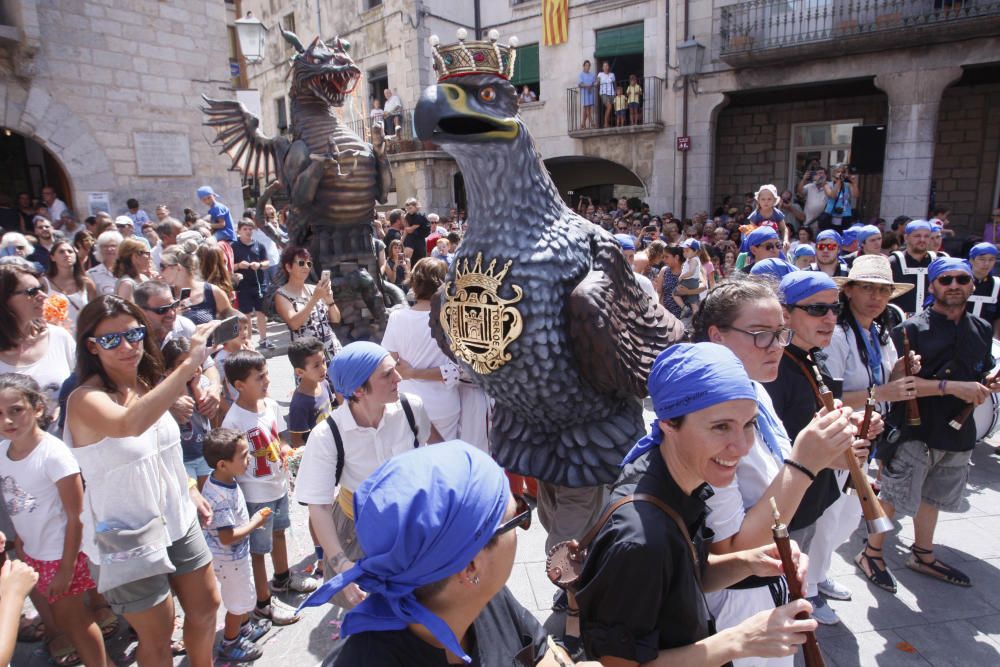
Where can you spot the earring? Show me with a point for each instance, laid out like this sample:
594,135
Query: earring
474,580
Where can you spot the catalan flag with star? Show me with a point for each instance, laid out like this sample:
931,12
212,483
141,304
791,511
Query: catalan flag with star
555,21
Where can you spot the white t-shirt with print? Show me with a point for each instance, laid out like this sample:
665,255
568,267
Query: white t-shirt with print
265,480
32,498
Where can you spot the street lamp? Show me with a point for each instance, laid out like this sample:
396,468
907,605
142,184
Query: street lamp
251,33
690,55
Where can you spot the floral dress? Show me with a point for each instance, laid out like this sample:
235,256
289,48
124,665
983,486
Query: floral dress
318,324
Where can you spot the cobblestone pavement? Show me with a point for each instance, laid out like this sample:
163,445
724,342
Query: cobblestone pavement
925,623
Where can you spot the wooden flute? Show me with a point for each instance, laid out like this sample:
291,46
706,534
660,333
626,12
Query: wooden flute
912,407
876,519
810,650
958,421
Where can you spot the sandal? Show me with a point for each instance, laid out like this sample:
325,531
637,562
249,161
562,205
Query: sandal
877,572
109,623
65,656
935,568
177,645
31,631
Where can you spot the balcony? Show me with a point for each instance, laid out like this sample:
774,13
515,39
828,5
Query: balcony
763,31
404,141
649,120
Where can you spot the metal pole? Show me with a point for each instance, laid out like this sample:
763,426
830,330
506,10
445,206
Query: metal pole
478,19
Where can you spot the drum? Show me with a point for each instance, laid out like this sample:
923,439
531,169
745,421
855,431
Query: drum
987,415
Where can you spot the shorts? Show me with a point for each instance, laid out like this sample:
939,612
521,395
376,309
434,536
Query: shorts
690,299
189,553
236,584
262,538
920,474
607,99
249,301
47,569
633,105
198,467
620,113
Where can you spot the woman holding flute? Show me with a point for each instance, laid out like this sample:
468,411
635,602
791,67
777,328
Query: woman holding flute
865,359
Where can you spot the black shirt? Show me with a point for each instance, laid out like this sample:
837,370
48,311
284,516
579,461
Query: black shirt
953,351
392,234
638,592
41,256
252,281
417,239
986,296
908,301
500,631
795,404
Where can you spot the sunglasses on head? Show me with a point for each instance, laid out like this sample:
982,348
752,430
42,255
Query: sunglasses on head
961,280
826,246
31,292
112,340
820,309
304,262
522,516
163,310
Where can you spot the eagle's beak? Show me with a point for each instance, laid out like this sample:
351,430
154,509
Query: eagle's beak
443,112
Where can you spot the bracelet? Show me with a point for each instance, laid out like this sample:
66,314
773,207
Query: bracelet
801,468
942,386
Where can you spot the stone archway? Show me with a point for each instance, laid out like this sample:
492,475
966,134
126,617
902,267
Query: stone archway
601,178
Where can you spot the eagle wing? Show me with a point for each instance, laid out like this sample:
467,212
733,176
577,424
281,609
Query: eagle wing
616,331
238,132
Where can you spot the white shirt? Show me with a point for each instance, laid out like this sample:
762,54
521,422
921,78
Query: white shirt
270,247
182,327
57,209
606,82
815,201
31,496
365,449
265,479
52,368
393,105
408,334
103,279
691,268
646,284
843,361
155,254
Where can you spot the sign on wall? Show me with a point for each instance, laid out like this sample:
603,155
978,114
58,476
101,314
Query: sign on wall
99,201
162,154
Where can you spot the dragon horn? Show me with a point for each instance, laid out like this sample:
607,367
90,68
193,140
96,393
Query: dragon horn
293,39
313,44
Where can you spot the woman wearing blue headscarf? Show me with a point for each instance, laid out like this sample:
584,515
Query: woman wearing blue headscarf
641,591
746,317
437,526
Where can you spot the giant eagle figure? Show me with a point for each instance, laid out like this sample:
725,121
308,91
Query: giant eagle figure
541,306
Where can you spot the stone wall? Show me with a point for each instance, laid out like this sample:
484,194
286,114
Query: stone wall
753,143
107,69
965,159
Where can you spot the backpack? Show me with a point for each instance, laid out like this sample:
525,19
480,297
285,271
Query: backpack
339,441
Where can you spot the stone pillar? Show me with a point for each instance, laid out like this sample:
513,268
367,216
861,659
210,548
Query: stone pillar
914,100
703,109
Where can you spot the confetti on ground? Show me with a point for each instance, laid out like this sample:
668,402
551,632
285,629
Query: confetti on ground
906,647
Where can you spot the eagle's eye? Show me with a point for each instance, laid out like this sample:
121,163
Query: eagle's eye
487,94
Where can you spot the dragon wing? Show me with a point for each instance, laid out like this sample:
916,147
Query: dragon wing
238,132
616,331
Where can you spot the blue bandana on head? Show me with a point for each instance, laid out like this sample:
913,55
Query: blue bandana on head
625,241
772,266
868,231
803,284
984,248
421,517
689,377
915,225
353,365
944,265
803,251
830,235
762,234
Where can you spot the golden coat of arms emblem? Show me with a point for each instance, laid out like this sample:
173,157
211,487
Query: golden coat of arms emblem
480,323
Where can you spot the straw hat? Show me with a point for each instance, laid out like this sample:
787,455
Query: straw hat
873,269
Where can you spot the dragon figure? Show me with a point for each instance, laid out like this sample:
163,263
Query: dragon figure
331,177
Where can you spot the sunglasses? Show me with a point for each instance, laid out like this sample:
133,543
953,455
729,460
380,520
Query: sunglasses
144,253
820,309
163,310
961,280
304,262
826,246
770,246
32,292
522,518
765,339
112,340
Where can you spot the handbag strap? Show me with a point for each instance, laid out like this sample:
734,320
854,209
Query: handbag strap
805,371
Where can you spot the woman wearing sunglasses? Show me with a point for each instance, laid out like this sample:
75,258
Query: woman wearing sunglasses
746,317
641,591
437,525
181,268
28,345
308,310
133,265
129,450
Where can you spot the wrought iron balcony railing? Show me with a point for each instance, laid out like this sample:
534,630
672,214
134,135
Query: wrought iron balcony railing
648,118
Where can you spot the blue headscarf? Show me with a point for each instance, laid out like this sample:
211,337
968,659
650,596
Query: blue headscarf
830,235
984,248
689,377
803,284
772,266
936,227
625,241
421,517
760,235
868,231
804,250
943,265
353,365
851,234
915,225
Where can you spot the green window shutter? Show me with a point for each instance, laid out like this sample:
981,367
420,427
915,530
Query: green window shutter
619,41
526,65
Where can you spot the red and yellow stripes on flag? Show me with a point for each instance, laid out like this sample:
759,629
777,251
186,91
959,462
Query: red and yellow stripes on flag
555,21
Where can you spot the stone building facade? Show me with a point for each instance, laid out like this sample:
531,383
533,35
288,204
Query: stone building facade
109,91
